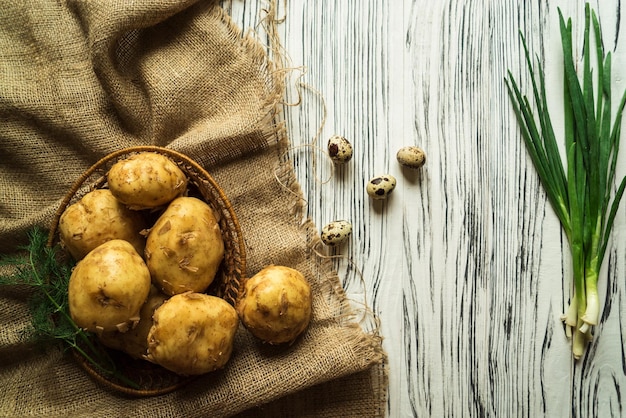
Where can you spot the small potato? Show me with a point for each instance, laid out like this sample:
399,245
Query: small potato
193,333
134,342
184,248
275,305
146,180
108,287
96,218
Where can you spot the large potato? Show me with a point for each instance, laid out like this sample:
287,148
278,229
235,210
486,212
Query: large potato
146,180
108,287
134,342
96,218
184,248
193,333
275,304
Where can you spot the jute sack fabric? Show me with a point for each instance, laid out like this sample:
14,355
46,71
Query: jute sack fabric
81,79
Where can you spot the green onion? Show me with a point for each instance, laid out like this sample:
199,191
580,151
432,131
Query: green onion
580,186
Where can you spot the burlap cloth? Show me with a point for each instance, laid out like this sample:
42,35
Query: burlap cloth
81,79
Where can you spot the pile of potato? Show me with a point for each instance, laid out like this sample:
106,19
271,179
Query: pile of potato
139,285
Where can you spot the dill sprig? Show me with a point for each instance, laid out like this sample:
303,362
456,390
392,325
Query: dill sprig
580,187
42,269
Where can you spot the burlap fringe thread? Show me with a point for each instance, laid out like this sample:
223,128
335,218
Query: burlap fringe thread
285,176
273,56
276,58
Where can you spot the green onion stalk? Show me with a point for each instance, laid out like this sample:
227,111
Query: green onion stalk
580,186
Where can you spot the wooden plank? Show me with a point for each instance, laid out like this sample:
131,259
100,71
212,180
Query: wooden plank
465,264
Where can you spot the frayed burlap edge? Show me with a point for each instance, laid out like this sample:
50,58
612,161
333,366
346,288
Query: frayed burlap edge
269,128
274,132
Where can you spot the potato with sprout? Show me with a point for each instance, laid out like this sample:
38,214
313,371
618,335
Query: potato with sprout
184,248
146,180
96,218
193,333
134,342
108,287
275,305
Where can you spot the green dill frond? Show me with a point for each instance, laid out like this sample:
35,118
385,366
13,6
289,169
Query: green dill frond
46,273
39,267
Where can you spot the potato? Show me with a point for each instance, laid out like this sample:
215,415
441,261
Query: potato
184,248
275,305
134,342
96,218
108,287
146,180
193,333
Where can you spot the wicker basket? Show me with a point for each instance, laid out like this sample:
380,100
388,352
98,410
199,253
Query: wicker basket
153,379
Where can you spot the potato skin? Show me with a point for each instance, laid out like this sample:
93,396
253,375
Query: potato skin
193,333
96,218
134,342
184,248
275,305
108,287
146,180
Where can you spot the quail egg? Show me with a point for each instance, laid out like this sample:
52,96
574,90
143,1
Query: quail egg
411,157
380,187
336,232
339,149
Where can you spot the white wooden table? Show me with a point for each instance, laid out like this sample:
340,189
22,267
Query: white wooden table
465,264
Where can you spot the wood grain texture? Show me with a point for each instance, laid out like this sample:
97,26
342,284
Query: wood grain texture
465,264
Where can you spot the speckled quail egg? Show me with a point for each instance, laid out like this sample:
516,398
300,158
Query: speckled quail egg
336,232
339,149
411,157
380,187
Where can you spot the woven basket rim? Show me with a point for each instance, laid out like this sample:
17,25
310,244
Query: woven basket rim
188,163
132,150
